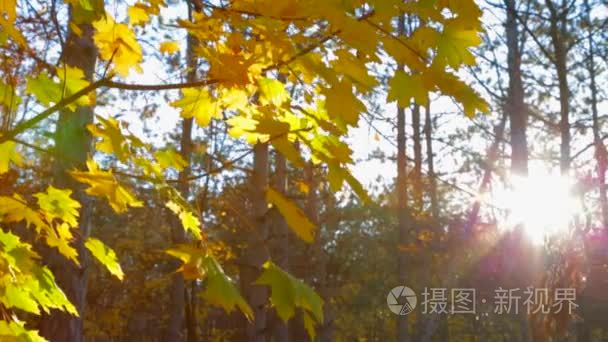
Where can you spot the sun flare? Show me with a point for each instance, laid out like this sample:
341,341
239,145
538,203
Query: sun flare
543,204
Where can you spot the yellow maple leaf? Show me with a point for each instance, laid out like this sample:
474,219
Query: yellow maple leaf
169,47
117,43
16,209
198,103
272,91
103,184
170,158
342,104
58,204
294,216
231,69
189,221
138,15
8,155
60,238
112,139
403,87
72,80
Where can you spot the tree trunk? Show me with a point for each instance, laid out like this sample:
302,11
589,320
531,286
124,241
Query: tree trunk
417,179
281,241
403,217
177,291
402,207
428,136
256,252
515,106
72,147
600,149
487,175
557,31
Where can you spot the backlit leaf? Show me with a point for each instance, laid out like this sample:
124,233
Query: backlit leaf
8,155
116,42
294,216
105,255
103,184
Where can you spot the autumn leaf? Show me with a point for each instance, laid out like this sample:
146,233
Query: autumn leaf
288,293
44,88
295,217
138,14
342,104
404,87
189,221
8,155
454,43
170,158
60,238
105,255
198,103
103,184
16,331
220,290
58,204
169,47
272,92
8,96
71,81
112,139
118,44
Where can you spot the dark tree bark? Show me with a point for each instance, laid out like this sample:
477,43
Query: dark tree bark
600,148
515,106
280,234
256,252
557,30
428,137
177,291
403,216
417,176
73,144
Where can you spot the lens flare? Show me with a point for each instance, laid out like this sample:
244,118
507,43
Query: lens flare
544,204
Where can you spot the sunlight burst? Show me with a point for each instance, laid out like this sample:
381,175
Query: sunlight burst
543,203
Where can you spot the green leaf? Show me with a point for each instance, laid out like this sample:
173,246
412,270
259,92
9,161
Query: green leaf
220,291
8,96
295,217
19,298
105,255
44,88
288,293
342,104
287,148
15,331
404,87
